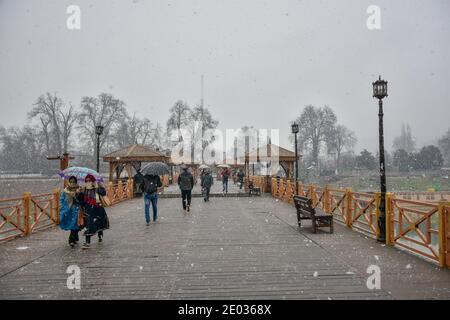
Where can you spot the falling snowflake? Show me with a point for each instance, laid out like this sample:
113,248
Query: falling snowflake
316,274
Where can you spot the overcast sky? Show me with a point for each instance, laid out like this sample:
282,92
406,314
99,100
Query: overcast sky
263,61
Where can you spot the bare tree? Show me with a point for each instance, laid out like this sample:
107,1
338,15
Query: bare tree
405,141
316,126
56,121
340,139
202,116
179,117
134,130
103,110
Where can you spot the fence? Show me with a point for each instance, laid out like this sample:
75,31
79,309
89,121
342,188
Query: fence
420,227
29,213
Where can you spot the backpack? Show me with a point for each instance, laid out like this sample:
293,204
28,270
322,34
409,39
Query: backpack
185,181
150,185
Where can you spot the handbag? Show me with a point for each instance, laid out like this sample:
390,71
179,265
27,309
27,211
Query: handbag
81,217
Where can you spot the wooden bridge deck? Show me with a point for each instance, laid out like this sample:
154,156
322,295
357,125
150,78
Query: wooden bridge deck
229,248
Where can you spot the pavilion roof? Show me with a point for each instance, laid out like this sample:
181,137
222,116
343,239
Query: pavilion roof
136,152
269,151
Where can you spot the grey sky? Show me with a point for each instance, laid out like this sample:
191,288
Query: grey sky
262,60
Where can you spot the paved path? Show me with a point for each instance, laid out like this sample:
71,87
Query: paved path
229,248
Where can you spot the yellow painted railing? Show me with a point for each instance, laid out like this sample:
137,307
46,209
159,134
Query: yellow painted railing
29,213
419,227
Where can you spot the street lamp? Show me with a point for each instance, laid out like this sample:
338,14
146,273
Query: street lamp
98,132
380,92
294,128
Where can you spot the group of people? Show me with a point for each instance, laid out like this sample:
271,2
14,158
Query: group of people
82,208
226,173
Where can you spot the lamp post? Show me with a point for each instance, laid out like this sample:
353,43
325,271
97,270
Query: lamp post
294,128
380,92
98,132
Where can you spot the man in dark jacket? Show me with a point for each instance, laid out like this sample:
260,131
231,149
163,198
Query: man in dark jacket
225,175
149,187
206,183
186,183
241,176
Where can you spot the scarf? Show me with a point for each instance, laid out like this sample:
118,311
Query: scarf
91,196
70,192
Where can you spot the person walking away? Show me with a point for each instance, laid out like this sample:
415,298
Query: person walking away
96,220
225,176
241,176
149,187
186,183
206,183
69,207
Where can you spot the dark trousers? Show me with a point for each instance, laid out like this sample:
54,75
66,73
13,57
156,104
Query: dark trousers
73,237
206,191
186,195
153,200
88,238
225,185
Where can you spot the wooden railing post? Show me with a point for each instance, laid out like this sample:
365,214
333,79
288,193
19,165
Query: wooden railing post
300,188
389,219
26,212
56,205
120,190
326,199
312,194
349,207
130,188
377,213
444,239
110,191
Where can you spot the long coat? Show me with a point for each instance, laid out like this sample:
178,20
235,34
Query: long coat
97,219
68,213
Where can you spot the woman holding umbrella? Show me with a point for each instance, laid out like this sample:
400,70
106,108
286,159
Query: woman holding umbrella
69,207
96,219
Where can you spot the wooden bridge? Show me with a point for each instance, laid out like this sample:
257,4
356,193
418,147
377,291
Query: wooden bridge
228,248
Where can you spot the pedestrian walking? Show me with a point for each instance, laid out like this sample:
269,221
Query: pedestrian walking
69,207
96,219
225,176
149,187
206,183
186,183
241,176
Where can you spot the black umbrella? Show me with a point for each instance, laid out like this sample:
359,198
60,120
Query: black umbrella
155,168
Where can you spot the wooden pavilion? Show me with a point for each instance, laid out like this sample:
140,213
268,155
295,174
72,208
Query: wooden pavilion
130,159
269,154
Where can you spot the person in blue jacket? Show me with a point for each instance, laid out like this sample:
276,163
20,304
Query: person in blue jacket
69,206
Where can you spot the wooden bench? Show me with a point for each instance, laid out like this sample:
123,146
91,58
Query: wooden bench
305,210
252,190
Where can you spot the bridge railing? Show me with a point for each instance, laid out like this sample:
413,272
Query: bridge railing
30,213
420,227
